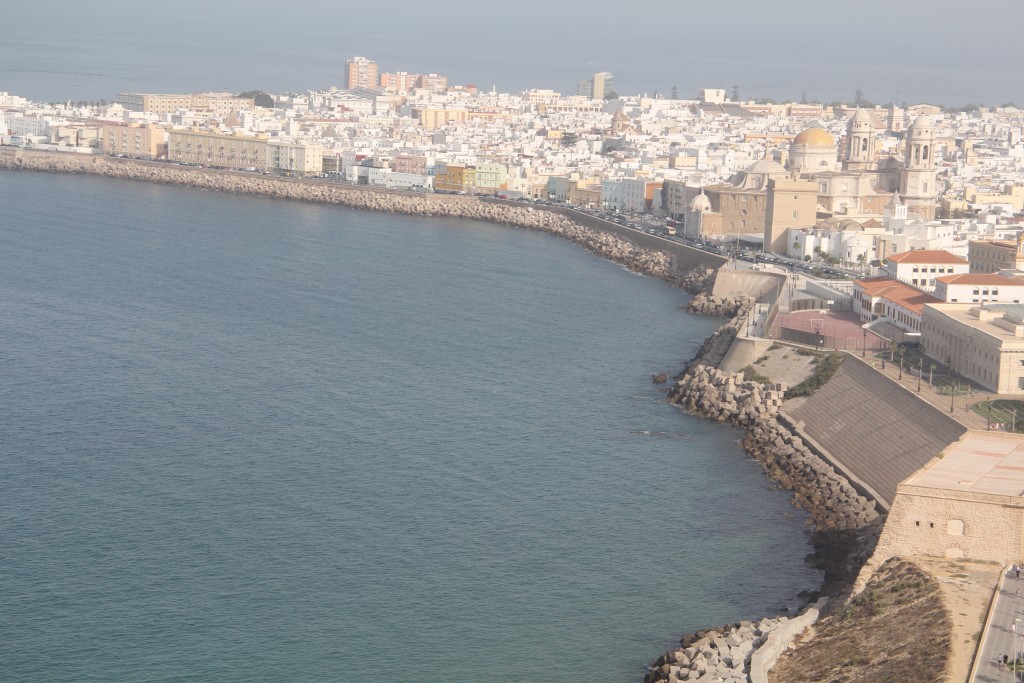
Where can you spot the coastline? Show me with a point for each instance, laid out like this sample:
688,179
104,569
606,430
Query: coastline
699,372
658,264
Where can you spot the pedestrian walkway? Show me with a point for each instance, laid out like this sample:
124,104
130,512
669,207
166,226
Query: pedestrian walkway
957,406
1004,634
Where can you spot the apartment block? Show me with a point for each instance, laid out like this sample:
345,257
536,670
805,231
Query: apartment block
205,148
134,140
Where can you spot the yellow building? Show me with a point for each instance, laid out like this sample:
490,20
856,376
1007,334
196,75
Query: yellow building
295,159
206,148
984,344
1011,194
138,141
450,177
991,256
433,118
791,204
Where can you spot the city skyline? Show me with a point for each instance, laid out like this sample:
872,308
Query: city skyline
784,52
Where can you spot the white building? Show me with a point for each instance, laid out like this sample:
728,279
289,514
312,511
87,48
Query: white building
979,288
921,267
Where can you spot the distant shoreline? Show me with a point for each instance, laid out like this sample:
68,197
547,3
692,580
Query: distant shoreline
652,262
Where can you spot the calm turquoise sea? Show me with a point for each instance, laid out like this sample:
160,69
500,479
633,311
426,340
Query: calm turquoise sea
254,440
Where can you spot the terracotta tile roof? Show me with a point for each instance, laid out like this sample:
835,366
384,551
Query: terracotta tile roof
897,292
926,256
990,279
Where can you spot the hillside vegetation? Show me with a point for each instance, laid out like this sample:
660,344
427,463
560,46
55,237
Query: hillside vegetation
897,629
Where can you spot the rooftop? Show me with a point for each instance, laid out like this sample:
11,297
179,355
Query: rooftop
897,292
980,462
926,256
990,279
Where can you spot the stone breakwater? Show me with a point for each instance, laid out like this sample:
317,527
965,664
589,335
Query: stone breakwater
647,262
724,307
720,654
831,501
697,280
845,524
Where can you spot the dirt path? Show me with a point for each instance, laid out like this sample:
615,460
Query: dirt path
966,591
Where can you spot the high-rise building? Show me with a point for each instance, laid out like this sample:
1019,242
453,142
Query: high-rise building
400,82
433,83
361,72
595,87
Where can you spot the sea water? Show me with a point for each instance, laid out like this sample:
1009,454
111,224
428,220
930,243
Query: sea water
244,439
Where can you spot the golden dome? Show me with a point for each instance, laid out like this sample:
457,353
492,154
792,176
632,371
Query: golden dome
815,137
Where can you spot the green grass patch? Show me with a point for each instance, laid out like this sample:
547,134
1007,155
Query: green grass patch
752,375
823,370
1007,412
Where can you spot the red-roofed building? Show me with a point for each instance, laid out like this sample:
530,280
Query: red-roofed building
979,288
921,267
888,300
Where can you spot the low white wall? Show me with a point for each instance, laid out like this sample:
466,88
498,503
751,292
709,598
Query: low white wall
764,657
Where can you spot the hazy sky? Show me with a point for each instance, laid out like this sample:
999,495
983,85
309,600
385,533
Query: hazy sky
944,51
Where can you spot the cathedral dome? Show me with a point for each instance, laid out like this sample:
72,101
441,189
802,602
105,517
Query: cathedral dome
922,127
701,203
767,166
862,120
815,137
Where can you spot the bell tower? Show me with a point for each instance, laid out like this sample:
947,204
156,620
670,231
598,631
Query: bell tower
860,142
917,177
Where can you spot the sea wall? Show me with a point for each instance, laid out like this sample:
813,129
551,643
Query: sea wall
831,501
845,523
646,261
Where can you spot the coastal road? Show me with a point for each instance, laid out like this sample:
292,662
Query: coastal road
1005,634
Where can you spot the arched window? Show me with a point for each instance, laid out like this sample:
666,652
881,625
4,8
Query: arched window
864,145
924,152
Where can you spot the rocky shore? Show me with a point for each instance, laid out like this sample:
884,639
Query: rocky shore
723,307
845,523
647,262
719,654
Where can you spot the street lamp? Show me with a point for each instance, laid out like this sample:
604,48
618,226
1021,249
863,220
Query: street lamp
864,346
